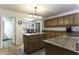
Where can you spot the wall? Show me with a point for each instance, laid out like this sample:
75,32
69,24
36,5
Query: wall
19,28
19,16
58,15
0,30
41,24
28,24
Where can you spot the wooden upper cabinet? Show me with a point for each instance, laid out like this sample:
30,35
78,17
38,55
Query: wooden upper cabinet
68,20
60,21
72,19
54,22
50,22
76,19
65,20
45,23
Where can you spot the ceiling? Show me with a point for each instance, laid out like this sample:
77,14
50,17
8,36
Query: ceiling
44,10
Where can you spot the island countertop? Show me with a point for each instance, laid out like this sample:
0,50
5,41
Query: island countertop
28,34
67,42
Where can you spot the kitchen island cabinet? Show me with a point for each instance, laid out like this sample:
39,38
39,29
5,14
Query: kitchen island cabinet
33,42
65,45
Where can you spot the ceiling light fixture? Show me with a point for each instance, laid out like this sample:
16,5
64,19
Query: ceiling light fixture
35,16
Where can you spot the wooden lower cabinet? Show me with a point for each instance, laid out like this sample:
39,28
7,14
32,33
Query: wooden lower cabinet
34,42
58,34
54,34
51,49
41,43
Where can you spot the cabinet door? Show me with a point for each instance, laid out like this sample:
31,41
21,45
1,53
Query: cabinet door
63,33
65,20
54,22
60,21
33,44
76,19
58,34
42,37
45,23
50,23
70,19
52,34
48,34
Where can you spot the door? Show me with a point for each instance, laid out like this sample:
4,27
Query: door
37,27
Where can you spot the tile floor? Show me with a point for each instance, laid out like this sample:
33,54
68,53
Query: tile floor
7,43
39,52
18,50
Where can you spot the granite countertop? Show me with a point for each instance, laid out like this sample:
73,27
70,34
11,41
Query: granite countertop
28,34
67,42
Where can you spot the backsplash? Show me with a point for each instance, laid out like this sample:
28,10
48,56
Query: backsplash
75,28
56,28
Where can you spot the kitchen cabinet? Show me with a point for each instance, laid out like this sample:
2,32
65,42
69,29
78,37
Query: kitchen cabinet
68,20
48,23
52,49
60,21
72,19
45,23
65,21
54,34
61,46
58,34
54,22
76,19
33,42
42,37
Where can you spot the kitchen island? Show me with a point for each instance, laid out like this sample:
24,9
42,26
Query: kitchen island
65,45
33,42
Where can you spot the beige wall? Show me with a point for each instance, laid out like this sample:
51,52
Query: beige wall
0,31
19,16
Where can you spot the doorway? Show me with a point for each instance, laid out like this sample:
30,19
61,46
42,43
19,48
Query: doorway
37,27
9,31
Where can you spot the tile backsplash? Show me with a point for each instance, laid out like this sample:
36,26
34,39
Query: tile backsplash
75,28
